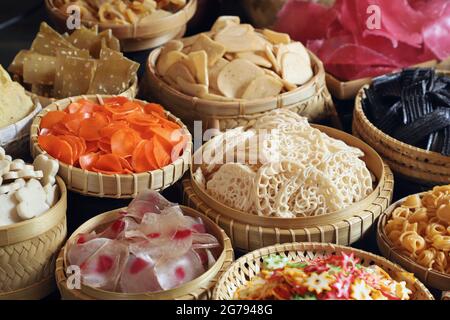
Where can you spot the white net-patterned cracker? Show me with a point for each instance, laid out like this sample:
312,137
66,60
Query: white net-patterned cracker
232,185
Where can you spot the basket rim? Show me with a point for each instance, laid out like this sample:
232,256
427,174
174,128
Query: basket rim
5,230
233,104
382,236
174,20
309,221
359,114
108,217
313,246
37,120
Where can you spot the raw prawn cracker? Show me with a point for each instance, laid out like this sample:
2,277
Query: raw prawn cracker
153,246
121,136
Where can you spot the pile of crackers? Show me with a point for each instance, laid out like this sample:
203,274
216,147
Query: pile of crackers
84,62
234,61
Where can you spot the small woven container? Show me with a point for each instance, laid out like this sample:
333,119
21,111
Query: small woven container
28,252
428,276
131,93
311,100
140,36
120,186
15,138
249,232
197,289
415,164
246,267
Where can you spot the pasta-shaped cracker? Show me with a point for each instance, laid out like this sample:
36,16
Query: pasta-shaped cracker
420,228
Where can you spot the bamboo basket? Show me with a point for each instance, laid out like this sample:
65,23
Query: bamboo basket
430,277
198,289
311,100
140,36
28,252
249,232
118,186
131,93
246,267
418,165
15,138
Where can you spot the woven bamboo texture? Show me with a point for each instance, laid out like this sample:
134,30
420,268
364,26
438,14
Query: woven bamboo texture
246,267
249,232
131,93
28,252
138,36
15,138
311,100
112,186
198,289
428,276
418,165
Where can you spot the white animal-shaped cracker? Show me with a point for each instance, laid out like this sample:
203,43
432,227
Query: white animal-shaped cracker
13,186
4,167
26,173
32,200
17,164
2,153
8,213
51,190
49,168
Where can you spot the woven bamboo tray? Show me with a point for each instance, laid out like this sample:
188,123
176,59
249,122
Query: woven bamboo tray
118,185
311,100
140,36
249,232
246,267
15,138
198,289
418,165
428,276
28,252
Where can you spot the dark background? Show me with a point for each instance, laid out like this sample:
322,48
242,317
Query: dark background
19,23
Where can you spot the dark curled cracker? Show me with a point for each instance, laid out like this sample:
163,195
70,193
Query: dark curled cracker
424,126
391,119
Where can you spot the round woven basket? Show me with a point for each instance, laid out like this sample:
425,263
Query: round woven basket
121,186
198,289
28,252
249,232
246,267
15,138
311,100
140,36
428,276
419,165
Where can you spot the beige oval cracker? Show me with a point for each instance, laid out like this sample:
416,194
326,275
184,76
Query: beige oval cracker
271,57
294,69
172,45
225,21
262,87
256,58
213,72
276,37
236,76
214,50
199,60
167,60
192,89
179,69
293,47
